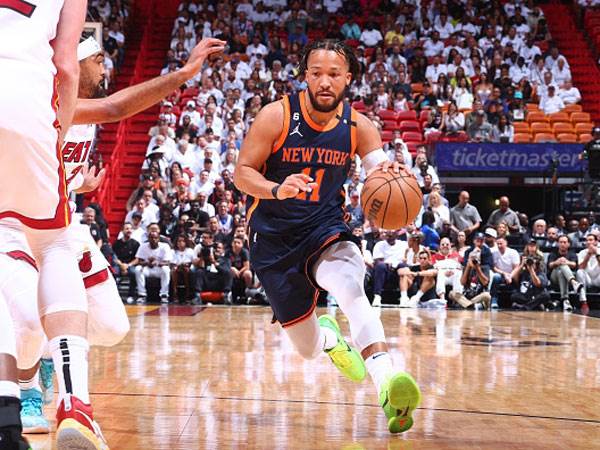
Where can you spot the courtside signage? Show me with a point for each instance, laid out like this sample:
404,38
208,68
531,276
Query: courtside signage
523,158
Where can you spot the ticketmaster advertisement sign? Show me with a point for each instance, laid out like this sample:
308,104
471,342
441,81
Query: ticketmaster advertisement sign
530,159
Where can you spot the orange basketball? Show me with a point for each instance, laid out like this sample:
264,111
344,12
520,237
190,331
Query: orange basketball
391,200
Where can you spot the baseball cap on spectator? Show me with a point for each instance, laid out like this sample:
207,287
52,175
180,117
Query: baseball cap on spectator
191,103
146,177
182,182
168,104
398,141
531,242
136,215
478,236
480,113
491,232
354,194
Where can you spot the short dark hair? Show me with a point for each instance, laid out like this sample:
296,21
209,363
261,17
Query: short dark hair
333,45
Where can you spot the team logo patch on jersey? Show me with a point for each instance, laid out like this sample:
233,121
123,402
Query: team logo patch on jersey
296,131
85,263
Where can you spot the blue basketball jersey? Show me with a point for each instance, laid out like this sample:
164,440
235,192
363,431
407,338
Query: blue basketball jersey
322,153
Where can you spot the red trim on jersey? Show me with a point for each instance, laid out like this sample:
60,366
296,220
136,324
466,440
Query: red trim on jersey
20,6
97,278
62,215
20,255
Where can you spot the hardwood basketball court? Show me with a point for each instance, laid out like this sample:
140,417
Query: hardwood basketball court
224,377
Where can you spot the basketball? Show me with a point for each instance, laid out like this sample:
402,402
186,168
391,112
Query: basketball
391,200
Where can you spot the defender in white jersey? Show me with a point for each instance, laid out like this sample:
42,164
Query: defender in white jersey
38,41
107,322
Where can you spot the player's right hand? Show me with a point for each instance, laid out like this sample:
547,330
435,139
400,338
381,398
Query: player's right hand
294,184
200,52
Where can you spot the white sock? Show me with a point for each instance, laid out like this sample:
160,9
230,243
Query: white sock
33,383
9,389
379,366
403,294
419,294
329,338
70,356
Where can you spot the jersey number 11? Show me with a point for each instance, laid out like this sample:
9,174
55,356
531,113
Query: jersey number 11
318,177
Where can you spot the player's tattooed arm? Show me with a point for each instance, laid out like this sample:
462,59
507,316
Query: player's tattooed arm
256,149
134,99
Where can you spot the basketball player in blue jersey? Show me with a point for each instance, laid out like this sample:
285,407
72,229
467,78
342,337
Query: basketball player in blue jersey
292,165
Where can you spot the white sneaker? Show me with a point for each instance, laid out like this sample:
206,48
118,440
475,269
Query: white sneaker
567,306
141,300
413,302
405,302
376,301
130,300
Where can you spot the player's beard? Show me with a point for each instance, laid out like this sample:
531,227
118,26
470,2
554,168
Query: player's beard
324,108
100,91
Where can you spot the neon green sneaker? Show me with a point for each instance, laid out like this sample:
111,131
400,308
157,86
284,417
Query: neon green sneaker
344,357
399,397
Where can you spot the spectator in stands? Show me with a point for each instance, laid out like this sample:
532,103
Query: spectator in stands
551,242
504,129
569,94
489,238
146,183
506,259
461,243
464,216
431,238
588,273
480,130
426,99
370,36
239,259
422,167
417,280
388,255
529,275
538,232
181,269
152,260
562,262
124,251
438,208
578,238
504,214
551,103
454,120
354,209
351,30
449,269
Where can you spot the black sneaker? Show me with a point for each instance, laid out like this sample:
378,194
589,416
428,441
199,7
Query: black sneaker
10,433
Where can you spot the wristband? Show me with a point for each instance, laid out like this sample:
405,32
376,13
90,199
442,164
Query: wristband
274,191
373,158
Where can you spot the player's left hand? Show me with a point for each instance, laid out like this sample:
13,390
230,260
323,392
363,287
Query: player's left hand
91,179
200,52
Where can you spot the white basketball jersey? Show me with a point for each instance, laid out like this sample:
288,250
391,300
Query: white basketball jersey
12,236
76,151
26,68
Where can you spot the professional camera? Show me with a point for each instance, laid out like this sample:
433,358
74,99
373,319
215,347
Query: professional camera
529,261
475,257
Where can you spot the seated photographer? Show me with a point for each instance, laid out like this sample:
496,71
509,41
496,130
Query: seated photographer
588,273
388,254
418,281
475,277
530,276
448,264
505,261
183,257
212,268
562,262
